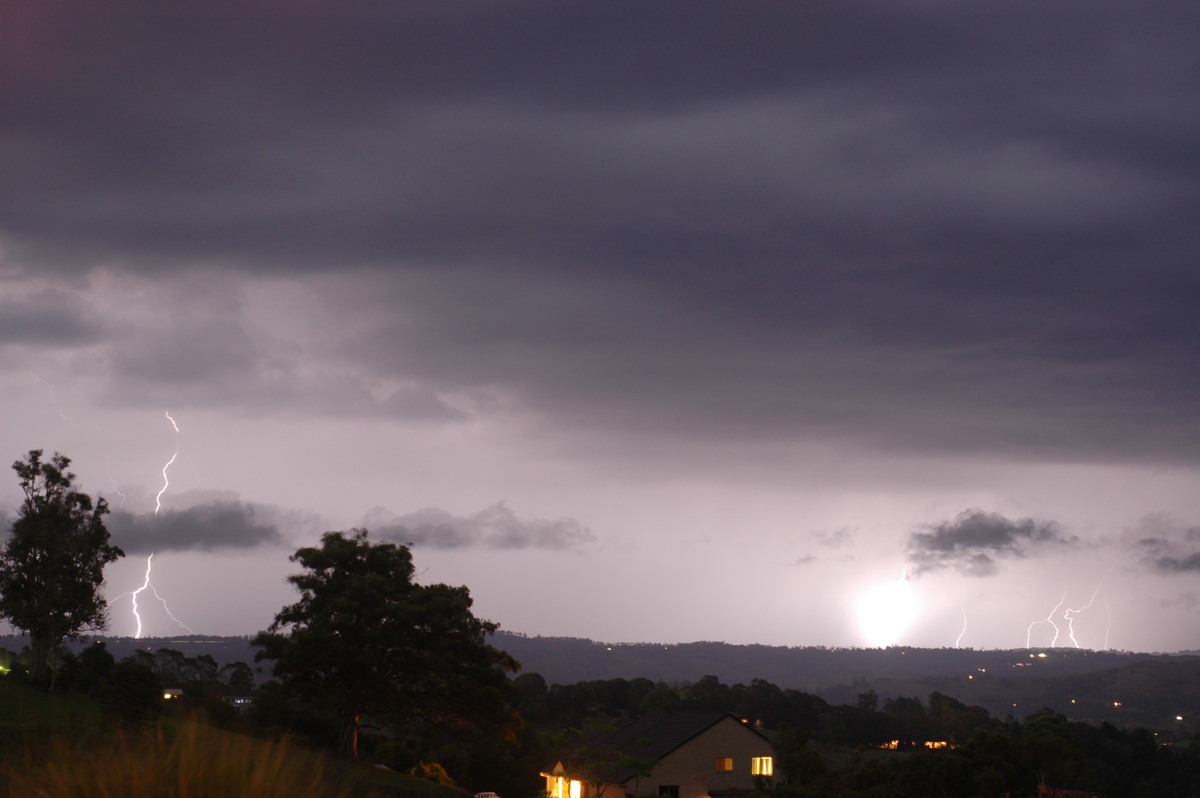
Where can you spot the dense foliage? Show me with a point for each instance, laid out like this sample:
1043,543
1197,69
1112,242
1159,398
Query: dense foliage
52,564
366,641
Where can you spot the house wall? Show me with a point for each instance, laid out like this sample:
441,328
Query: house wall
693,766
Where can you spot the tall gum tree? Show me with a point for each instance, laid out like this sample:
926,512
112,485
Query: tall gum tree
366,640
52,564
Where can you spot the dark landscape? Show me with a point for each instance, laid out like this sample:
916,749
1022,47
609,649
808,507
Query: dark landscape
1119,687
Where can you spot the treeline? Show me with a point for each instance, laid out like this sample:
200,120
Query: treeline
941,745
762,703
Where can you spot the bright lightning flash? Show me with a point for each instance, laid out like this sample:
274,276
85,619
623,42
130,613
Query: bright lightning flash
147,584
133,599
962,605
1070,615
1048,619
166,482
886,611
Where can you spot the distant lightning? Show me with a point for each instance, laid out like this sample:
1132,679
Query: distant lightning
108,470
1048,619
962,605
166,482
1070,615
147,583
133,599
54,401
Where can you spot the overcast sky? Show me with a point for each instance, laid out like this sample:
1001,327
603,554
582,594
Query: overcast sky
806,323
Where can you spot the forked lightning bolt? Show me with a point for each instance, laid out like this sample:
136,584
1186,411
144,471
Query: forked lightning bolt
1070,615
1048,619
133,599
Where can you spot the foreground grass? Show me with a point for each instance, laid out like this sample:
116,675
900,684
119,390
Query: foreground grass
59,746
192,760
25,707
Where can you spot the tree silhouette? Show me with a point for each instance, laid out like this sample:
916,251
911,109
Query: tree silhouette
365,638
52,565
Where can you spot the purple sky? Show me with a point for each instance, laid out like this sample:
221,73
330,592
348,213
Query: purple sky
645,321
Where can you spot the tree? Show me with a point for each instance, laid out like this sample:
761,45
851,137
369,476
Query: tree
52,564
365,638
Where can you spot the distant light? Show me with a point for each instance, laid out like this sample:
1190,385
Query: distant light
1116,703
1042,655
1179,717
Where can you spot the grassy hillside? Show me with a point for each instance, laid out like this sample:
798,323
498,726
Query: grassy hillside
59,746
23,707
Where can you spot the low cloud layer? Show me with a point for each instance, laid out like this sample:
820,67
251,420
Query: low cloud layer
496,527
975,541
203,527
1168,546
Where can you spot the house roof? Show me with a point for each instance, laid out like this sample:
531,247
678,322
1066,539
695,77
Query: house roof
652,737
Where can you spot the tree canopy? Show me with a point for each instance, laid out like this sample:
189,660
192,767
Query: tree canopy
52,564
366,640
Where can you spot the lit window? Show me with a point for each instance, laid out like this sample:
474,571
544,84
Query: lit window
724,764
762,766
576,788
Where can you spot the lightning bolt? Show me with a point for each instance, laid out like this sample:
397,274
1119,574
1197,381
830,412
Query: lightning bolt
166,482
1048,619
108,470
962,605
1070,614
54,401
133,599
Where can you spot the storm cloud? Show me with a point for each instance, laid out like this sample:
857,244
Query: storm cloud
975,541
224,525
815,202
1168,546
496,527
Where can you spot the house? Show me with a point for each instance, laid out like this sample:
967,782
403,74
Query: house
683,755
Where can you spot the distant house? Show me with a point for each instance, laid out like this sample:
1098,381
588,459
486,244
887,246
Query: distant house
684,755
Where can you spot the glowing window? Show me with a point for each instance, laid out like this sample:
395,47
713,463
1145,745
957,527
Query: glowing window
724,764
762,766
576,788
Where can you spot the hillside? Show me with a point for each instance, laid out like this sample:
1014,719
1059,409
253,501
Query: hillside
1116,686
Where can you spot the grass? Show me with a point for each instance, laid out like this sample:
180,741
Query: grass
25,707
59,746
191,760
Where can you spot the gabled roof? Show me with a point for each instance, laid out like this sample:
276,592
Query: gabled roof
653,737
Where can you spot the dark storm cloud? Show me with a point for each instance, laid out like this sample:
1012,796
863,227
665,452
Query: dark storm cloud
939,227
221,525
975,541
1168,546
496,527
47,317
